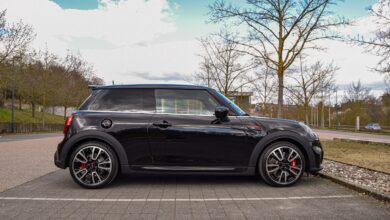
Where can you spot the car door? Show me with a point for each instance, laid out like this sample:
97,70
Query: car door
185,132
128,111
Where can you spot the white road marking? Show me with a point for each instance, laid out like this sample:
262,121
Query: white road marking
177,199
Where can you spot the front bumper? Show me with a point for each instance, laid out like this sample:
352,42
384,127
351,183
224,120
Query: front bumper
318,156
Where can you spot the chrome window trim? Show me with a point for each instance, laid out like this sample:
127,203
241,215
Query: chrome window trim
142,112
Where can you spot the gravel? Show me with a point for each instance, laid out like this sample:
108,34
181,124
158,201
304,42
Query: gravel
358,175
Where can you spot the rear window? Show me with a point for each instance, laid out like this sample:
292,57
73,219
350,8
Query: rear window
124,100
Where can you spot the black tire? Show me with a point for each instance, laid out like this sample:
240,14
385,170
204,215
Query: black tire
108,177
270,178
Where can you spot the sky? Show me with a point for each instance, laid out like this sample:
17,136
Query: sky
156,41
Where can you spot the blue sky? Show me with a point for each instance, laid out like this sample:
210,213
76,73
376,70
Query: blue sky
194,9
190,16
156,41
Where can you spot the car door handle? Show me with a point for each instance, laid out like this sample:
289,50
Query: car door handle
162,124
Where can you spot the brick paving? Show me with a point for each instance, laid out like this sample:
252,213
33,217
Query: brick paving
31,187
24,160
186,197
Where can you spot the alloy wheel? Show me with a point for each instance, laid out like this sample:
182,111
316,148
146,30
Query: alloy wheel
284,165
92,165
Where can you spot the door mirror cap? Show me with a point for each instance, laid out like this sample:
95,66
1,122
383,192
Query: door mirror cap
221,112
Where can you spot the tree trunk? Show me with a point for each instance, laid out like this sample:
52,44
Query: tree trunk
1,101
280,94
20,103
33,109
43,110
306,109
322,115
65,108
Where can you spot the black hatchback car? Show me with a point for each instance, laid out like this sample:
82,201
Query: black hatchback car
180,129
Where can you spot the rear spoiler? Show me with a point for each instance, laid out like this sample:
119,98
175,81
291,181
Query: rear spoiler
93,87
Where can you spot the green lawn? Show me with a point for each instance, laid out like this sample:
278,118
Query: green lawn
25,116
376,157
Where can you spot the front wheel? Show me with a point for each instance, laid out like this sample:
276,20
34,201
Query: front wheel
93,165
281,164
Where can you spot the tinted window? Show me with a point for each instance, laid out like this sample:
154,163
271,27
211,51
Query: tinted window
179,101
124,100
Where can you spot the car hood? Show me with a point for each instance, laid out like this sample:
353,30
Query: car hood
278,124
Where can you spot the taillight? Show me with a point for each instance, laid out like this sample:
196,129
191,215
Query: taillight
67,123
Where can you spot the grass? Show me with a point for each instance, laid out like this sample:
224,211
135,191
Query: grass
24,116
372,156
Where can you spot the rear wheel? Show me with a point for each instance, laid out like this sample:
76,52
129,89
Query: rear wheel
93,165
281,164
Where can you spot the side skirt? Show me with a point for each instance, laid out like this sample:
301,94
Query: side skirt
187,170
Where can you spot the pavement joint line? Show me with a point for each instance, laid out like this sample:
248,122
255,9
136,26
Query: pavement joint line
176,199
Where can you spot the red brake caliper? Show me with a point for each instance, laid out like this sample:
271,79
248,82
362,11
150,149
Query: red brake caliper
293,164
82,166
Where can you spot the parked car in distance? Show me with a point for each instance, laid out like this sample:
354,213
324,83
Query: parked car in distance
373,127
180,129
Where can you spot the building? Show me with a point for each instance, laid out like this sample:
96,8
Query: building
242,99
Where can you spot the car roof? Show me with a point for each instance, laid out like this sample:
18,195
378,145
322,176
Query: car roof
154,86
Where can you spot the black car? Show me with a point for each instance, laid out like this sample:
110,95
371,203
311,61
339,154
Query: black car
180,129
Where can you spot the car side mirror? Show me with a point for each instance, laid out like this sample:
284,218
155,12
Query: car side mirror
221,112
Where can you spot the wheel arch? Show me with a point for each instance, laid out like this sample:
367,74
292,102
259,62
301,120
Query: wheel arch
87,136
281,136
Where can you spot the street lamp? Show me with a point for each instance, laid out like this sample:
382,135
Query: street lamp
17,57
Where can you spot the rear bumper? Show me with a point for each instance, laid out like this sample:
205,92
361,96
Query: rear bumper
58,160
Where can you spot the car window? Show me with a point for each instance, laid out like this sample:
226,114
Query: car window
231,104
124,100
180,101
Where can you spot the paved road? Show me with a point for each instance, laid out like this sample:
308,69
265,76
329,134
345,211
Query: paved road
186,197
330,134
26,158
18,137
33,188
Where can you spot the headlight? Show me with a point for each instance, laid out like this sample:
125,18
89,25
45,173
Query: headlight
308,130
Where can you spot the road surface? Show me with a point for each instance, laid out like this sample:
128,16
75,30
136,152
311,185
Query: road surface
18,137
33,188
26,157
330,134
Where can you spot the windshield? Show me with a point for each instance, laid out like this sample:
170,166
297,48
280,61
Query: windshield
232,104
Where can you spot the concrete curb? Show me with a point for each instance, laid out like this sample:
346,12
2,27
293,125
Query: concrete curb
361,141
356,187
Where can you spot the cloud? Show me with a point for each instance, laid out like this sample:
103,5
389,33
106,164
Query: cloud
163,77
119,22
123,38
355,63
118,36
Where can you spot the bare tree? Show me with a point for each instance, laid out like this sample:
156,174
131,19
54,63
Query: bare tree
380,44
308,82
14,37
357,102
74,74
223,65
357,93
204,76
264,88
279,30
